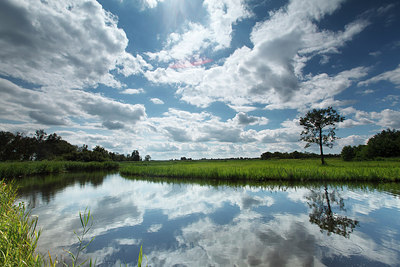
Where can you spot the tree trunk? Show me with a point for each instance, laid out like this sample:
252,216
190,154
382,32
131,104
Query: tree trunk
320,147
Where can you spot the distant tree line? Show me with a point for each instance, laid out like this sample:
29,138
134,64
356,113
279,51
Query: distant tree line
382,145
292,155
43,146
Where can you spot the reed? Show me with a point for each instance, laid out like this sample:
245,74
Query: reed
18,235
260,170
20,169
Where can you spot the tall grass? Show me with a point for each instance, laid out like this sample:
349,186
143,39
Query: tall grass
258,170
18,235
19,169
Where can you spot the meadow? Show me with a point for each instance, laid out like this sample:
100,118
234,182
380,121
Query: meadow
264,170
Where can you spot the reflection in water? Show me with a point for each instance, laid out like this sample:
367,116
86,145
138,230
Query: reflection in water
322,215
48,186
219,225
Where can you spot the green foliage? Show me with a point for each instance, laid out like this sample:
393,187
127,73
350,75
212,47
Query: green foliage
384,144
140,257
19,169
135,156
18,235
86,220
18,147
319,128
348,153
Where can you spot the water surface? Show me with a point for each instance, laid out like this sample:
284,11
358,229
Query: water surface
187,224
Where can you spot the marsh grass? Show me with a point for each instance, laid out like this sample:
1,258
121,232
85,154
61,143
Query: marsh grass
264,170
18,235
20,169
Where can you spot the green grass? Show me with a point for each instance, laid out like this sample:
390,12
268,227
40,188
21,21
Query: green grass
19,169
18,238
264,170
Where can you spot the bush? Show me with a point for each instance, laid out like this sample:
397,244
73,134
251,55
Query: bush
348,153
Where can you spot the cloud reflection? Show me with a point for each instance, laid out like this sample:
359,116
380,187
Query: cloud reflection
176,225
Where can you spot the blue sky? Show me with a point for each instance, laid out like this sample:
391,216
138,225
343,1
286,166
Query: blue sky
214,79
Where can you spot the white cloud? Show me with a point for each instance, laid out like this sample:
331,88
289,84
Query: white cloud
157,101
132,91
387,118
151,3
51,106
270,73
70,44
352,140
392,76
183,126
195,37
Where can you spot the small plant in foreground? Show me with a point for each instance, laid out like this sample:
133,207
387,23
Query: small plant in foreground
86,220
140,257
18,235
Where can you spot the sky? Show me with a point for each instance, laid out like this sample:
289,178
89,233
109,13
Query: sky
198,79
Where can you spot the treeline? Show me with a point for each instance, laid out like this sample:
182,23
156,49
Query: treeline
292,155
43,146
385,144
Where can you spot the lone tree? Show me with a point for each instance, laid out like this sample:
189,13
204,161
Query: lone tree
319,128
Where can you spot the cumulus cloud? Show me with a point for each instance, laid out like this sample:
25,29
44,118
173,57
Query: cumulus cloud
386,118
157,101
71,44
50,106
183,126
196,37
243,119
131,91
271,71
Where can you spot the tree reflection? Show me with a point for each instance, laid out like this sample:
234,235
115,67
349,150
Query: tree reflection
322,215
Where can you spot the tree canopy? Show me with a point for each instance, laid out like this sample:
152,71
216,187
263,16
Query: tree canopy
384,144
319,128
43,146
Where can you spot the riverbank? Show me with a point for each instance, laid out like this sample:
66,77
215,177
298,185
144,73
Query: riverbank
19,169
18,239
264,170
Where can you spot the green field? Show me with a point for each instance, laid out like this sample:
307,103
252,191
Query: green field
264,170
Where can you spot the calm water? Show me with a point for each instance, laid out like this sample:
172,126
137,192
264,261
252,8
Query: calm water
197,225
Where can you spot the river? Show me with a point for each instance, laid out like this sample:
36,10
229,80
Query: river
192,224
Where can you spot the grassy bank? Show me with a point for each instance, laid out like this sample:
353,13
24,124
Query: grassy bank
263,170
18,238
19,169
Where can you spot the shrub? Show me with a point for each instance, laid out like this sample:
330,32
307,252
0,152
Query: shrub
348,153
